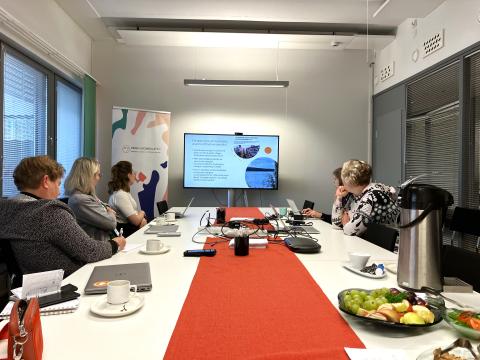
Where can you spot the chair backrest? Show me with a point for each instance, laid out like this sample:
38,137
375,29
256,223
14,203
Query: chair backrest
162,207
461,263
381,235
307,204
466,220
8,257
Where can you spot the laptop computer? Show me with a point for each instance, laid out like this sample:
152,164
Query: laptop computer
181,214
306,228
137,273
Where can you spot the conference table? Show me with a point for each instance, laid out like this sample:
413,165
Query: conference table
146,333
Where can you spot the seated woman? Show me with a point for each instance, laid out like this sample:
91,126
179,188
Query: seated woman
365,202
42,231
129,218
96,218
337,180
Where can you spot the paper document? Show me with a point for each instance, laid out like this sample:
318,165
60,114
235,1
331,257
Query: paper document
129,247
41,283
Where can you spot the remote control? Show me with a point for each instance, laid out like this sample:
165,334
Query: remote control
200,252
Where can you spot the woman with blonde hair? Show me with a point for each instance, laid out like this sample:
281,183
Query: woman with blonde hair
367,202
96,218
129,217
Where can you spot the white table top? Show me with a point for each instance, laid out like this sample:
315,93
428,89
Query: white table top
146,333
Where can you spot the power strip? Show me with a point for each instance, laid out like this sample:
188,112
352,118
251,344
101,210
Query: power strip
217,230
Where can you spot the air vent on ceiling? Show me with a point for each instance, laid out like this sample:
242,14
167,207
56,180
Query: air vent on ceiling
387,71
433,43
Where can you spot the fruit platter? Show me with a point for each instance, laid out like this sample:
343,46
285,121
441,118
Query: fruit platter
389,306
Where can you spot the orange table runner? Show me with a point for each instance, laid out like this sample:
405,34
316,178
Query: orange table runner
261,306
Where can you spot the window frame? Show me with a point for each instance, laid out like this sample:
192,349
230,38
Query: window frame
52,77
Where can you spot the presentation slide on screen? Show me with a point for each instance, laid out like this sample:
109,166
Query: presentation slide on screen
229,161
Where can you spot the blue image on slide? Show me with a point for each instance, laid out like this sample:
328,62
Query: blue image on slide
262,173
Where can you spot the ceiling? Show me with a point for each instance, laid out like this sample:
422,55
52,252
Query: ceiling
304,24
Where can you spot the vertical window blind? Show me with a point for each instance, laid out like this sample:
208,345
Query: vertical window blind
24,116
69,126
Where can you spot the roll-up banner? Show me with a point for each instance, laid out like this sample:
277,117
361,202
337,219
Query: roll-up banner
142,137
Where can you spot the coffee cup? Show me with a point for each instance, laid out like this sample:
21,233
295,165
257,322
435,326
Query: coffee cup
358,260
119,291
169,216
154,245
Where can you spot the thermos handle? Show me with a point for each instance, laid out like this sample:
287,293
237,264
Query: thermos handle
422,216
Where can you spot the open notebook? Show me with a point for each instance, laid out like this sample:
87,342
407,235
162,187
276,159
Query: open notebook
62,308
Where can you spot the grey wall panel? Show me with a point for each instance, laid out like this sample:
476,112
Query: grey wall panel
388,123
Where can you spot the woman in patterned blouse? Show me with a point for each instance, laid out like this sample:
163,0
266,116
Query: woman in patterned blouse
367,202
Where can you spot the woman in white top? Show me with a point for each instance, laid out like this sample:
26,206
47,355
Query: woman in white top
129,218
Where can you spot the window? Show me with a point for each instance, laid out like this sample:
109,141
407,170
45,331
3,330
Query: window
69,125
25,116
432,145
42,114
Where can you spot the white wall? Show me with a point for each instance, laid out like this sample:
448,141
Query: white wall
47,20
459,18
326,121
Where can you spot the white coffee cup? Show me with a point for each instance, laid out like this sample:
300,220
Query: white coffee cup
154,245
358,260
169,216
119,291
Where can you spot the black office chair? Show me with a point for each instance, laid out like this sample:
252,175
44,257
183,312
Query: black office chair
381,235
8,257
461,263
466,221
162,207
64,200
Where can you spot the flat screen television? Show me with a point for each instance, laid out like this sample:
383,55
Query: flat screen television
223,161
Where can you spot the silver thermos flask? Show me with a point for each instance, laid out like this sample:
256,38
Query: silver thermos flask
422,212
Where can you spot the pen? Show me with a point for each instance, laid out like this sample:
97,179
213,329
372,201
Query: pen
121,231
116,232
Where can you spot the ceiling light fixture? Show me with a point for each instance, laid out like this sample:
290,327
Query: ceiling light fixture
245,83
385,3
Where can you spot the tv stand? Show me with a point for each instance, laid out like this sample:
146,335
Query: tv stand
231,197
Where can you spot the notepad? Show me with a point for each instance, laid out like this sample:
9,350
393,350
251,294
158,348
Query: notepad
62,308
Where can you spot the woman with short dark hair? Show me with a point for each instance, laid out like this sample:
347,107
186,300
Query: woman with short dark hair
367,202
42,231
129,217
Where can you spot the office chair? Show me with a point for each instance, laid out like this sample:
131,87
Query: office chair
466,221
8,258
461,263
381,235
63,199
162,207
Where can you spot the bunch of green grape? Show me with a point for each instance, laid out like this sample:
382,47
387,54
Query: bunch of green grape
355,299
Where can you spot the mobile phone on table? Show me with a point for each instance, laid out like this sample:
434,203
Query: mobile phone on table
66,293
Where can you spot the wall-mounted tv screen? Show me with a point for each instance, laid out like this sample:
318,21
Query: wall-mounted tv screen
230,161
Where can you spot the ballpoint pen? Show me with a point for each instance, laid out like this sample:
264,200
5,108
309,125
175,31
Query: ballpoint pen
116,232
121,232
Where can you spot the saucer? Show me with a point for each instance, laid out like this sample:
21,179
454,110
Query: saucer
356,271
103,308
171,221
163,250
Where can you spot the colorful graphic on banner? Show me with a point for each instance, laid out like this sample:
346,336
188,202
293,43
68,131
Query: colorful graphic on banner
142,137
